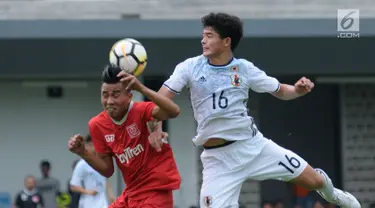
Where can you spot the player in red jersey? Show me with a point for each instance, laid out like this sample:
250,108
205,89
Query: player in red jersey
121,131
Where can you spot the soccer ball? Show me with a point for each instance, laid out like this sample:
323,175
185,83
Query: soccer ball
130,55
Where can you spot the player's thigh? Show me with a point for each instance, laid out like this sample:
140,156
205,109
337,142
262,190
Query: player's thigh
276,162
219,192
223,176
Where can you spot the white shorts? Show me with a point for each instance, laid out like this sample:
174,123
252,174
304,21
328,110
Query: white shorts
226,168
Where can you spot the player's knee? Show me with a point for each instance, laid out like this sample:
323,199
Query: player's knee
310,179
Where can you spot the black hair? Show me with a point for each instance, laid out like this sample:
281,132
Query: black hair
109,74
88,138
45,163
226,26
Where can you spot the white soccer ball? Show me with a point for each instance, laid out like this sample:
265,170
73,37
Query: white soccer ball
130,55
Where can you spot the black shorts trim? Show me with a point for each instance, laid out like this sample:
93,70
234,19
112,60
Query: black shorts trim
220,145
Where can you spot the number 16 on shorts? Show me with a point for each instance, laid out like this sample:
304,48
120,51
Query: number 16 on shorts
293,163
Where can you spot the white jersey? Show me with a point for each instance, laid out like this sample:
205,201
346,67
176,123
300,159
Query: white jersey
85,176
219,96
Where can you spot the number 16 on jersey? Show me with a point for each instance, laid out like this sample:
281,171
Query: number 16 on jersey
221,101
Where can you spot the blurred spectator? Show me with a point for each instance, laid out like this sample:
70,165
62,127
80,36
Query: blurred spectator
279,204
303,198
318,204
48,187
267,205
372,205
73,195
29,197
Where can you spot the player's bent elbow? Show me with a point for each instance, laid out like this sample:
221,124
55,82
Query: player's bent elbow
108,173
175,112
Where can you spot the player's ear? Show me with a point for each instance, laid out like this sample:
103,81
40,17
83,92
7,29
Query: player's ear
227,41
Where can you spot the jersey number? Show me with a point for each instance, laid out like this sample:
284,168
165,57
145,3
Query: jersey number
292,162
222,102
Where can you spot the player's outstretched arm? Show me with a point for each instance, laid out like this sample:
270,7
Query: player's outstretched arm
290,92
165,108
166,93
102,163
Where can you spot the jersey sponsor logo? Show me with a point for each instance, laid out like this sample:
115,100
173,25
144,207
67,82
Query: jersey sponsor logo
130,153
236,80
133,131
202,79
109,137
35,199
24,197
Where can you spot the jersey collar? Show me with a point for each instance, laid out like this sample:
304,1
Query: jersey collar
30,193
229,62
120,122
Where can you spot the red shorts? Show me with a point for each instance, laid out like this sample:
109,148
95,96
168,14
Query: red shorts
157,199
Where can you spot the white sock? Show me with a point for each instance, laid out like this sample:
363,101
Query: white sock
328,191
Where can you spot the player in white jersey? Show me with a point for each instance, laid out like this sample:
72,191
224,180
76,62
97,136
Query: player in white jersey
93,187
234,148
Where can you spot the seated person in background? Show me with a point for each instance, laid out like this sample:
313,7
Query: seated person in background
29,197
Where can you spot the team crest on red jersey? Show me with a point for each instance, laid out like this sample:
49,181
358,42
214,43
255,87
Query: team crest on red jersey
133,130
207,201
236,81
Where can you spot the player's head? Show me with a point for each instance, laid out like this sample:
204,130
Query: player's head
30,182
45,168
221,33
115,98
88,144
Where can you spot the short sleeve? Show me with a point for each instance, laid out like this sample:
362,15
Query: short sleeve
97,139
77,176
148,108
180,77
259,81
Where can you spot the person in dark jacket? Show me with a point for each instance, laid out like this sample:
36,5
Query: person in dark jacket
29,197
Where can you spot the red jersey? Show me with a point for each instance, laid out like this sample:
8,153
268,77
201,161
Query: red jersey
143,168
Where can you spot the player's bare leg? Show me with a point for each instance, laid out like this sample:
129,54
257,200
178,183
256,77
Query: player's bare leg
318,180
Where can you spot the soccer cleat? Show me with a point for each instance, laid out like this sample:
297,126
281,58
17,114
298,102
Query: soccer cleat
340,198
345,199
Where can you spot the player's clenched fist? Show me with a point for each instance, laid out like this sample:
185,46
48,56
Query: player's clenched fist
304,86
76,144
